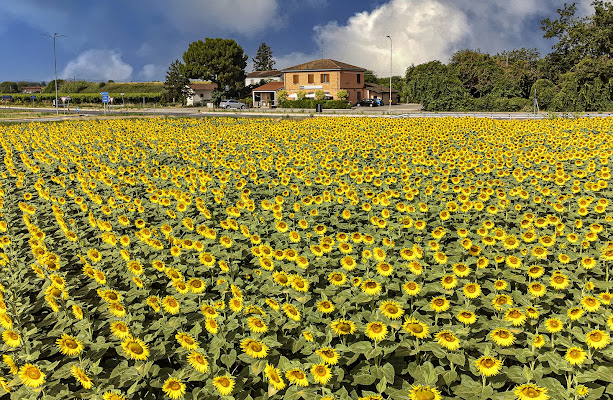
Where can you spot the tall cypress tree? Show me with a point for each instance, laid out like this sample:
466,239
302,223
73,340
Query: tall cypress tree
263,60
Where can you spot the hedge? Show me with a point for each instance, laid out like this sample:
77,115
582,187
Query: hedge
89,98
309,103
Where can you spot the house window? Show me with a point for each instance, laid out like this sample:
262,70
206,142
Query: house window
296,79
325,78
311,78
359,95
359,78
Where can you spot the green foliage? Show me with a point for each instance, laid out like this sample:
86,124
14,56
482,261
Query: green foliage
263,60
50,88
90,98
437,87
320,94
301,95
310,103
370,77
546,90
342,95
9,87
282,95
221,61
217,96
176,83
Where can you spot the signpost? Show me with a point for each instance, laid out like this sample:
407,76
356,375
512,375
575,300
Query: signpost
33,97
105,100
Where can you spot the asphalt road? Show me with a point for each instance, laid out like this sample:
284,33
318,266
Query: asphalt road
397,111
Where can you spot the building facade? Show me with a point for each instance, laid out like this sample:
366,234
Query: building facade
327,75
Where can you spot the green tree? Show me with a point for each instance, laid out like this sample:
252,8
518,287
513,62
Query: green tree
50,88
436,87
282,95
176,82
263,60
370,77
8,87
320,94
301,95
342,94
221,61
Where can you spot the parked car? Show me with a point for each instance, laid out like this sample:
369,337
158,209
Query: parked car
232,103
367,103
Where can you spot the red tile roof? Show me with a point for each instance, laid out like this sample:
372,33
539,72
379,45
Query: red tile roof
324,64
203,86
263,74
373,87
270,86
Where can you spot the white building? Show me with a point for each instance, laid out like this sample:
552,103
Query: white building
257,77
200,93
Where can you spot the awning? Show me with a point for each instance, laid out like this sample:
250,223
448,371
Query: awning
293,96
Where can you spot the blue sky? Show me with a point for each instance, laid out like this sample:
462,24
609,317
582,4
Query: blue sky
136,40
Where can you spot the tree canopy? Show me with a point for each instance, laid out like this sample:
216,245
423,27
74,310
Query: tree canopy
263,60
176,81
221,61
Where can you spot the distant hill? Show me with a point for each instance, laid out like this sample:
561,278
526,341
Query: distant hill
111,87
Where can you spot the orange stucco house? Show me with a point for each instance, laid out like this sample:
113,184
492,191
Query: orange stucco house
327,75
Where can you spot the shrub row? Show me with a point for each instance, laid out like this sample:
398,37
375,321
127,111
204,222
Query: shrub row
89,98
309,103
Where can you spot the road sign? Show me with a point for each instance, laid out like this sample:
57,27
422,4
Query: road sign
33,97
104,93
63,98
111,99
105,98
68,98
7,97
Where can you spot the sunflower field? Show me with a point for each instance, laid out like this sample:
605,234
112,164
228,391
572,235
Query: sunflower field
329,258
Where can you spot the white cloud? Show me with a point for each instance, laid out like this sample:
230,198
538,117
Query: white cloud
98,65
240,16
294,58
152,72
421,31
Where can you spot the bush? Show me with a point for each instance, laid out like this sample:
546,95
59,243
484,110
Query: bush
309,103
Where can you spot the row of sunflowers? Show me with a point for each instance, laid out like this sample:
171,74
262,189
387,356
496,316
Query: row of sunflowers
330,258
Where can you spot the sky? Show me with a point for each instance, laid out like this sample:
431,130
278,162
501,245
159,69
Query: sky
136,40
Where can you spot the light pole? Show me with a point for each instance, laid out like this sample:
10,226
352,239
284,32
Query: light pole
57,111
390,100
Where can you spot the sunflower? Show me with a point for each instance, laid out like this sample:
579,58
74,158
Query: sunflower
376,331
449,282
502,337
500,284
384,269
69,345
198,362
321,373
559,281
300,284
210,312
328,355
501,300
171,305
337,278
255,324
419,392
297,377
529,391
391,309
516,317
448,340
371,287
532,312
348,263
135,348
186,341
472,290
343,327
537,289
411,288
461,270
31,375
196,285
11,338
254,348
536,271
224,384
416,328
488,366
575,356
575,313
554,325
466,317
538,341
597,339
439,304
325,306
588,262
590,303
291,312
81,377
174,388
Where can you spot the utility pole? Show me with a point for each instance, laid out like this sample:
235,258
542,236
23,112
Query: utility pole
390,100
55,35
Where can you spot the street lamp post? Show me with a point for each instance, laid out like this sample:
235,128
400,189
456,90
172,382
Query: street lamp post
390,99
57,111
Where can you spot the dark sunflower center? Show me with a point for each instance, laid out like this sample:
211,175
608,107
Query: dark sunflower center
33,373
256,347
415,328
136,348
174,385
71,344
376,328
503,334
488,363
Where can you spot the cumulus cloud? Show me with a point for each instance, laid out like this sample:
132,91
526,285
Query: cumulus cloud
294,58
421,31
152,72
244,17
98,65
